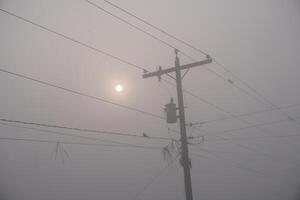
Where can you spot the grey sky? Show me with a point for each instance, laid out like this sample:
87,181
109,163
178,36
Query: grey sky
257,40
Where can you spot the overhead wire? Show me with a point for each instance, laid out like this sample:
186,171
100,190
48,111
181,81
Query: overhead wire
71,143
155,27
79,93
88,46
212,71
258,137
42,82
254,150
245,83
243,128
81,43
136,27
183,42
59,87
74,40
258,94
95,49
71,135
83,129
229,130
251,149
258,152
195,124
242,115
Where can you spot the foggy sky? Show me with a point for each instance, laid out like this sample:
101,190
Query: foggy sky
257,40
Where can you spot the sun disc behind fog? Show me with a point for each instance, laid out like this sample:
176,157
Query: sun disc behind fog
119,88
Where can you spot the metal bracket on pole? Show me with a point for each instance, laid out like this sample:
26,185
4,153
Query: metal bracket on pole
169,70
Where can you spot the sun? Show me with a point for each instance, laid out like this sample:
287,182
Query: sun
119,88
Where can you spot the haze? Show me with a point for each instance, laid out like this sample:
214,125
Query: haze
256,40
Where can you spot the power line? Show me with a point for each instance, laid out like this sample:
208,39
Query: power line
80,93
258,94
215,106
71,135
250,124
93,97
110,145
254,150
241,115
99,51
82,44
74,40
243,128
257,137
229,81
201,99
127,63
244,82
89,96
97,98
185,43
83,129
136,27
221,109
132,25
236,117
71,143
228,131
273,109
88,46
155,27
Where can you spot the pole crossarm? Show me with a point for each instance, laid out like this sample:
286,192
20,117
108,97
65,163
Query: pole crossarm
173,69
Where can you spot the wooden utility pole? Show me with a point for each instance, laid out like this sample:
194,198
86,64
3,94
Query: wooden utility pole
185,161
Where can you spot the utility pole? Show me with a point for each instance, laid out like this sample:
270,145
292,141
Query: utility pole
185,161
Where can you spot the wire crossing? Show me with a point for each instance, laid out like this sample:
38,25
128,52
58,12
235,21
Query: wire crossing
261,98
130,64
105,53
